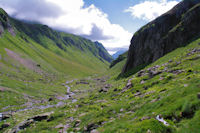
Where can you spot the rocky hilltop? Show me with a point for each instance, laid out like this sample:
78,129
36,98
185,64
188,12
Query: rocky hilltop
173,29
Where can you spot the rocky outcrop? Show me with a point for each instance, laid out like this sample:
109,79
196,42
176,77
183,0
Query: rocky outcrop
171,30
5,23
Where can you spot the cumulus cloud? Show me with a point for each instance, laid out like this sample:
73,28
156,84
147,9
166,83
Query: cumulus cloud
30,9
149,10
71,16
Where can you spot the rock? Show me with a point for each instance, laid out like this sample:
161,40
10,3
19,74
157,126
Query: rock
154,100
161,78
170,61
60,126
91,127
148,131
4,116
82,82
185,85
77,129
108,86
51,99
5,125
94,131
137,94
141,73
41,117
142,82
77,123
145,118
157,38
121,110
128,85
145,87
154,73
115,90
198,95
103,90
2,89
24,125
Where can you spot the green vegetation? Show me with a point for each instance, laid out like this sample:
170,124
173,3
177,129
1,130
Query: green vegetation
39,65
119,59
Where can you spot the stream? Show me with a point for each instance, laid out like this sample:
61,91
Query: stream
69,95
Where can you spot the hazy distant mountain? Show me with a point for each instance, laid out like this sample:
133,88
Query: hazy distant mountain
116,55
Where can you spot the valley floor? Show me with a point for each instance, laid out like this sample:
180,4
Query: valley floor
164,97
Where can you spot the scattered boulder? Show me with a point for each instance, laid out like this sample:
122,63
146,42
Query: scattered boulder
5,125
142,82
175,71
103,90
185,85
137,94
145,118
153,73
115,90
128,85
193,51
51,99
2,89
77,123
82,82
91,126
4,116
94,131
148,131
41,117
108,86
60,126
22,126
121,110
198,95
141,73
154,100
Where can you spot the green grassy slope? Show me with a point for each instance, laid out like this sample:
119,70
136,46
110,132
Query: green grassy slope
35,60
168,88
171,92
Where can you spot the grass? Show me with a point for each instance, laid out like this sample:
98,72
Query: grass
176,94
170,94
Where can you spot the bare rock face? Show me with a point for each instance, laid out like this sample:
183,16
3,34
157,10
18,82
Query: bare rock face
5,23
171,30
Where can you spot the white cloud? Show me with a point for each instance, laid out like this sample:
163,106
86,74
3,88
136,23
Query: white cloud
73,17
149,10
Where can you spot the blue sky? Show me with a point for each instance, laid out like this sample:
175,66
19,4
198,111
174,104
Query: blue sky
111,22
115,10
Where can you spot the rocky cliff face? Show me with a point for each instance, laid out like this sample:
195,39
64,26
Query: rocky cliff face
5,23
171,30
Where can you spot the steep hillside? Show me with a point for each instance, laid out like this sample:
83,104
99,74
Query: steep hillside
57,50
103,52
35,62
171,30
